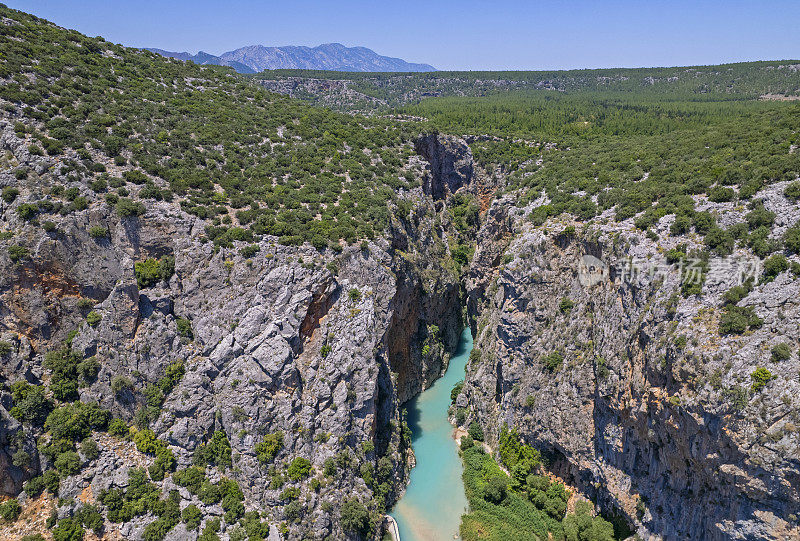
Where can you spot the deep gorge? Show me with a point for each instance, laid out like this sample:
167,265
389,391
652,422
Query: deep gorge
217,302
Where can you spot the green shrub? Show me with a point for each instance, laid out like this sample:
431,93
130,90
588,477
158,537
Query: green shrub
781,352
721,194
513,452
209,493
88,368
494,489
249,251
68,463
5,348
21,459
737,319
30,403
737,397
760,242
216,452
90,449
80,203
150,271
192,517
99,185
118,427
720,241
601,368
184,328
10,510
268,449
93,318
565,305
299,468
191,478
27,211
774,265
127,208
737,293
792,190
73,422
759,217
475,431
121,384
68,529
232,498
760,377
98,232
681,225
791,239
49,481
10,194
135,177
553,361
210,531
583,525
64,364
456,390
146,442
355,517
89,516
17,253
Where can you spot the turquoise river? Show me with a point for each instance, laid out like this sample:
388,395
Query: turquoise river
432,506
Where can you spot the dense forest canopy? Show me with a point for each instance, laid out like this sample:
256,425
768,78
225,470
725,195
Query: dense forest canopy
745,80
626,151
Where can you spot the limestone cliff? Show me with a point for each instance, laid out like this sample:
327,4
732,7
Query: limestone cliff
319,346
588,347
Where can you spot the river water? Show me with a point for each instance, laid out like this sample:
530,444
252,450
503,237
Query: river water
432,506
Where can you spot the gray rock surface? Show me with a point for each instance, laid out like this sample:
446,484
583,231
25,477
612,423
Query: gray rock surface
323,347
640,415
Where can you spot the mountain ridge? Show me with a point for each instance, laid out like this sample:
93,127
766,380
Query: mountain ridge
327,56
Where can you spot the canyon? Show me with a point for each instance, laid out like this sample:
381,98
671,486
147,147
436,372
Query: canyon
218,301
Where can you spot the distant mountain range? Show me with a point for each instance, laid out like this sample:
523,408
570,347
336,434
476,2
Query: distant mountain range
329,56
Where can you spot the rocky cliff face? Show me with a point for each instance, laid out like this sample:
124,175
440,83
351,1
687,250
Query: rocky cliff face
626,385
322,347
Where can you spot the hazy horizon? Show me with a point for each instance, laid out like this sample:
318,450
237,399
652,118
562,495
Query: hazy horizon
469,35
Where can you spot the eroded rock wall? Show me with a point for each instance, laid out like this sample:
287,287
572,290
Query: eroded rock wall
638,408
323,347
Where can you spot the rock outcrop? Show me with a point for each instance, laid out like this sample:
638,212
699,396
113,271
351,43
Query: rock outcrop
587,346
321,347
451,164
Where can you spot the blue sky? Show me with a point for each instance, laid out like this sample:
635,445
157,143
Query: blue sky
449,34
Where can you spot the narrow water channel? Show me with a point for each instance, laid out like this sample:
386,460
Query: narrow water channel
432,506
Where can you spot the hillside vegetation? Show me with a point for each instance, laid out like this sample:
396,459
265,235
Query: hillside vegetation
130,123
745,80
269,379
